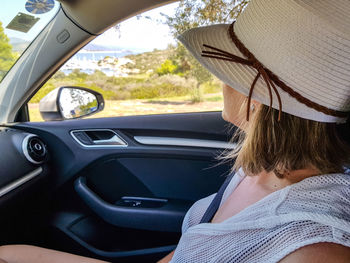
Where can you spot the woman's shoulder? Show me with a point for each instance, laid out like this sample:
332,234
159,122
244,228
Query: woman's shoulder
296,219
196,212
319,252
327,189
327,196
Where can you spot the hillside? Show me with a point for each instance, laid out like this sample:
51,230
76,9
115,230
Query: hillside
149,60
149,75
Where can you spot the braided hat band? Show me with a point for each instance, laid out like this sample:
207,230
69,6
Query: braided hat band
269,77
291,55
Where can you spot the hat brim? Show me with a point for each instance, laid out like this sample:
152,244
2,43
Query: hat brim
240,77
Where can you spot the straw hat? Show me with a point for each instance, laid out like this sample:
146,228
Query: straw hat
292,54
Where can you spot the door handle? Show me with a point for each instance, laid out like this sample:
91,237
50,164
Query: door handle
114,140
167,217
98,138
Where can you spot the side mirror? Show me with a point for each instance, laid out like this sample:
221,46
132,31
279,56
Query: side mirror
70,103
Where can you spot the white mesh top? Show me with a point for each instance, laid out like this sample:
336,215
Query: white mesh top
316,209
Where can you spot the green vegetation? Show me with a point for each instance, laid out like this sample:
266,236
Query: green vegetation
168,67
87,108
148,62
161,73
175,74
7,56
194,13
133,87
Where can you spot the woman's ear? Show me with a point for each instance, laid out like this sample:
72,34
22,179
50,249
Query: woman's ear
254,105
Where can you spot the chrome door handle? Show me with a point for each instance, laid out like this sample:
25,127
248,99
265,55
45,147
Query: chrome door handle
98,138
115,140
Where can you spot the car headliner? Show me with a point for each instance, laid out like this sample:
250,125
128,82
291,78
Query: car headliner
95,16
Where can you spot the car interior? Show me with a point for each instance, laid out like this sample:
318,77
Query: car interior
115,189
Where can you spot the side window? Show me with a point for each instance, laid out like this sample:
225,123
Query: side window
140,69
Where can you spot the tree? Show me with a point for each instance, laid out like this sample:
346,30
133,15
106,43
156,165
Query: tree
77,75
196,13
188,66
59,75
7,57
167,67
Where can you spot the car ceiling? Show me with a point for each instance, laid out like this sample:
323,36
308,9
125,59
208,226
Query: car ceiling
96,16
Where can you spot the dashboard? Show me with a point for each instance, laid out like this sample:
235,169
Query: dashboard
23,158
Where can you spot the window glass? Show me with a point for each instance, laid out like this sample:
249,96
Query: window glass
20,22
140,69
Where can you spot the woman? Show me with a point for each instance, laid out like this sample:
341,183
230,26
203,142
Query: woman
246,192
289,200
285,64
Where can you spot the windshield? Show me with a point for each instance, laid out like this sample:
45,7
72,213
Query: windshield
20,22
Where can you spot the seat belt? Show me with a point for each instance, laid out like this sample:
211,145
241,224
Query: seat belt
214,205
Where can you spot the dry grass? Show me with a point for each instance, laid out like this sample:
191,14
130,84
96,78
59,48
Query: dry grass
114,108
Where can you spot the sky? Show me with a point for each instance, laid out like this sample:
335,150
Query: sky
135,33
142,33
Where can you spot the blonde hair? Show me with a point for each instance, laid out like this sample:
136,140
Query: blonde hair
289,144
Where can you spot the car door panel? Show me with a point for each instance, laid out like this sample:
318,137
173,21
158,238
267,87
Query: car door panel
123,203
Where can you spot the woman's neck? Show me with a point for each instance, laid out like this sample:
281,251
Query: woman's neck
270,182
